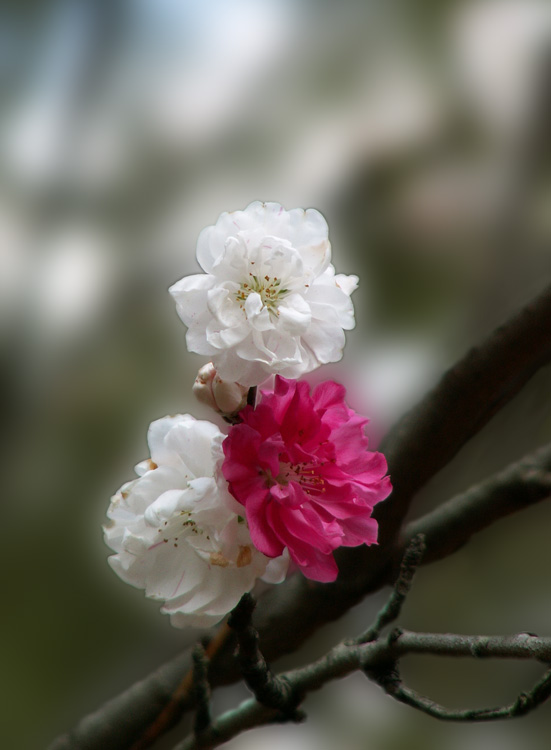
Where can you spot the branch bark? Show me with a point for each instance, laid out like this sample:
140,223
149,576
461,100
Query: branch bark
378,659
417,448
451,525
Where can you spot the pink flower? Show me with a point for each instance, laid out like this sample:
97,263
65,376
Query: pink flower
299,464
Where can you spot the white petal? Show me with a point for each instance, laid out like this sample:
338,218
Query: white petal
167,569
233,264
129,568
277,567
158,430
211,244
231,366
210,247
220,337
282,347
316,257
194,440
226,587
134,545
330,303
257,313
190,294
348,284
153,484
253,349
196,337
143,467
222,304
294,315
308,227
164,507
203,499
300,227
326,341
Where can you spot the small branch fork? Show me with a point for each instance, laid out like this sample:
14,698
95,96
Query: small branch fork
273,692
276,698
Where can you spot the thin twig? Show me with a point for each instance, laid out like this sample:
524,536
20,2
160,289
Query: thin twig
270,691
378,659
526,702
180,699
391,610
451,525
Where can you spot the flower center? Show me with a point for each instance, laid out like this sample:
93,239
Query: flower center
170,530
268,288
305,474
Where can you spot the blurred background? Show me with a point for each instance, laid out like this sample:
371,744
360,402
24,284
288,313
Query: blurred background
421,131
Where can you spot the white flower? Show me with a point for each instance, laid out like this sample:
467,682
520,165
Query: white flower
175,531
270,301
222,396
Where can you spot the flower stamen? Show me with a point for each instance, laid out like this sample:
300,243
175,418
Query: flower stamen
304,474
268,289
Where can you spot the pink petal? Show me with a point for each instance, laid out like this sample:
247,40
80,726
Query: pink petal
299,464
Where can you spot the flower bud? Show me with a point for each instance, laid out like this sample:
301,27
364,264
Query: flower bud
221,395
202,388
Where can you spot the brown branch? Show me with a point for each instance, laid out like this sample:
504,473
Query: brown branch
411,559
177,698
420,445
525,702
466,398
417,448
269,690
451,525
378,660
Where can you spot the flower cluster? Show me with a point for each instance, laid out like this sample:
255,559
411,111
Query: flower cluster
209,513
269,300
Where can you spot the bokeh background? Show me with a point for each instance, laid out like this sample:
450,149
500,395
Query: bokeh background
421,131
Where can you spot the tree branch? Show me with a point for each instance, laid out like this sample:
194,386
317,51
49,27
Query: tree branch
411,559
271,691
451,525
176,699
418,447
525,702
278,697
378,659
466,398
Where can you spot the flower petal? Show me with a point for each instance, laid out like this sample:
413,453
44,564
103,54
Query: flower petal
299,465
176,531
269,296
